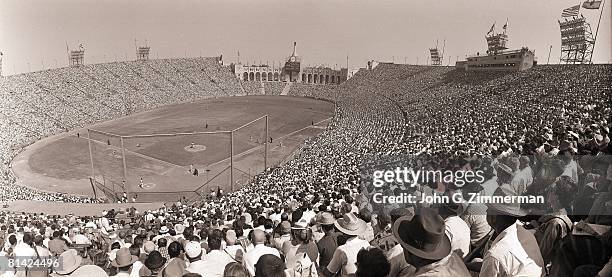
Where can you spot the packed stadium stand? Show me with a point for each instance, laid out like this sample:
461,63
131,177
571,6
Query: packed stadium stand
444,117
39,104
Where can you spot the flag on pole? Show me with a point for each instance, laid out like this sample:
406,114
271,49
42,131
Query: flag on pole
491,30
591,5
571,11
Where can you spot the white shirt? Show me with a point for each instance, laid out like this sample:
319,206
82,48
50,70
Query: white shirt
459,234
253,255
489,187
508,258
345,256
212,264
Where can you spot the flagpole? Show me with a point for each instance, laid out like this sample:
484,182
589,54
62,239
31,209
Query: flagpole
597,29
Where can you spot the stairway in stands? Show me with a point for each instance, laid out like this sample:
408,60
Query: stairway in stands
287,88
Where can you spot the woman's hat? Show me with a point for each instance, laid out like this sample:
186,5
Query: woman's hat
350,224
69,262
124,258
423,236
155,260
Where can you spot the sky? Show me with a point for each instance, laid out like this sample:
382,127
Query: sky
34,33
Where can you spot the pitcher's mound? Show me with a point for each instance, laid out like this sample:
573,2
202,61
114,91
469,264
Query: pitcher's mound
195,148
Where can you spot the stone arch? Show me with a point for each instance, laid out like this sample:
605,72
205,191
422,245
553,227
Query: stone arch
251,76
327,79
276,76
316,78
245,76
264,76
270,78
303,77
257,76
310,78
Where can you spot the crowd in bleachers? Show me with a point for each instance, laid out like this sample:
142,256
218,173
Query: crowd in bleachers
540,132
39,104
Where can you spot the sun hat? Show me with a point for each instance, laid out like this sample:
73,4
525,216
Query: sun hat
423,235
69,262
513,208
155,260
193,249
124,258
504,168
351,225
300,224
164,229
326,218
90,271
179,228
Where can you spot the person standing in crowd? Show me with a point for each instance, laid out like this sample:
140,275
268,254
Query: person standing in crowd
455,228
300,246
329,242
345,256
193,252
57,245
176,265
123,262
260,249
515,251
371,262
215,261
235,251
426,246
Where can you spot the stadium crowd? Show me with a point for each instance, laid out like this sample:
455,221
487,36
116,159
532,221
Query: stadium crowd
540,132
39,104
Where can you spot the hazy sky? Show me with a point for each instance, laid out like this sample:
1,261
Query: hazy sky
36,31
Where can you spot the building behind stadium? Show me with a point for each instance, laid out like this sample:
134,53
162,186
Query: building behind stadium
291,71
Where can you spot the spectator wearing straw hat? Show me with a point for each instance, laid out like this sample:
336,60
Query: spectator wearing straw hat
300,243
426,246
345,256
515,251
70,260
329,242
123,262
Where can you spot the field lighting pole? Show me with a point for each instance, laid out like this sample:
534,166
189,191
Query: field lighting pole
91,179
127,191
90,154
266,146
232,160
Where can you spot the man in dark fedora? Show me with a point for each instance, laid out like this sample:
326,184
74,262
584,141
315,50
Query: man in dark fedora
515,251
426,246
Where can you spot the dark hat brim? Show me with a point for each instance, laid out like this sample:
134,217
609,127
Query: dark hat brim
441,251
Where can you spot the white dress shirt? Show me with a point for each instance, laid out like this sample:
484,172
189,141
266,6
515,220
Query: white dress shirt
253,255
459,234
507,257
